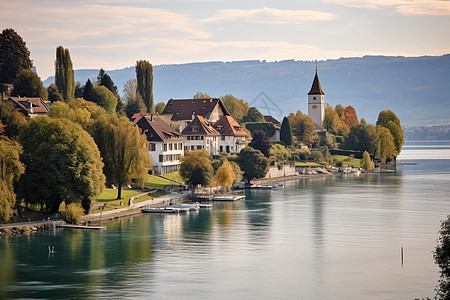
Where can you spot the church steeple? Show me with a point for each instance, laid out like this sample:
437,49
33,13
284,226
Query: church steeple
316,89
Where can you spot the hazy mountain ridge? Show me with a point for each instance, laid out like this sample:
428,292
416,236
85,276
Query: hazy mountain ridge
417,89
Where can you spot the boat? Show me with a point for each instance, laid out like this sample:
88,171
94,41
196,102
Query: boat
228,197
188,207
161,210
262,187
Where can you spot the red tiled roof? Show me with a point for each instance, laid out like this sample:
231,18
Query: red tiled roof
272,120
199,126
157,130
183,109
137,116
30,105
228,126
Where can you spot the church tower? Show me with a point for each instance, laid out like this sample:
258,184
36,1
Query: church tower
316,104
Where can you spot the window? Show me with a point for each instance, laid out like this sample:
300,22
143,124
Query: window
152,147
194,128
175,146
189,137
165,147
199,147
202,137
180,146
221,149
192,148
161,158
228,149
170,147
223,138
186,148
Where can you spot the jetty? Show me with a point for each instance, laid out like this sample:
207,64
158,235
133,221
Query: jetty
75,226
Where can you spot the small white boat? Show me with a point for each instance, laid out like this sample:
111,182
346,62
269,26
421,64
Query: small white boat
161,210
184,207
227,198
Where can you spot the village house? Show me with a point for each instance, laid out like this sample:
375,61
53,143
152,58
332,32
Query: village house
178,113
200,135
166,145
232,137
29,106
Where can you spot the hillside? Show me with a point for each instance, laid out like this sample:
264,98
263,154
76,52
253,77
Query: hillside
417,89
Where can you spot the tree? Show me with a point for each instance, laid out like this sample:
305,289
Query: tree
105,80
253,163
237,108
201,95
159,107
280,152
11,168
124,151
29,84
388,119
350,117
14,55
79,89
333,123
237,172
11,119
261,142
361,137
303,128
253,115
63,110
196,168
442,259
64,77
136,105
144,77
53,93
225,175
62,162
88,91
130,89
384,144
366,162
286,132
104,97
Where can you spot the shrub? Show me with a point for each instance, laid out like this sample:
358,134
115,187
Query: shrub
73,213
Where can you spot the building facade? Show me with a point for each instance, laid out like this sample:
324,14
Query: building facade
201,136
232,137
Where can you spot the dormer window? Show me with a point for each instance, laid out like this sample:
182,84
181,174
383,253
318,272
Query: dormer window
194,128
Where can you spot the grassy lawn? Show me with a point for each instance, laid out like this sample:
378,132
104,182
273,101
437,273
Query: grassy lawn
346,162
109,197
307,164
158,182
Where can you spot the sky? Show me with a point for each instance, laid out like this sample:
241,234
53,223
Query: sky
114,34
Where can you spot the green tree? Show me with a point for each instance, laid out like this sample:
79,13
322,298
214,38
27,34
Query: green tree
253,115
280,152
53,93
144,77
303,128
159,107
237,172
62,162
11,168
389,119
79,89
201,95
384,144
64,77
442,259
253,163
105,80
124,151
62,110
29,84
261,142
196,168
104,97
362,138
14,55
11,119
366,162
286,132
333,123
88,91
237,108
225,175
135,105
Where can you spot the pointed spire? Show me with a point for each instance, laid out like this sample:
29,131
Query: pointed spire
316,89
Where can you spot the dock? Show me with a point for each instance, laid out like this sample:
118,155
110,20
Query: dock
228,198
74,226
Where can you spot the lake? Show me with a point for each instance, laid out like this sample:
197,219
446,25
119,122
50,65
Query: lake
336,237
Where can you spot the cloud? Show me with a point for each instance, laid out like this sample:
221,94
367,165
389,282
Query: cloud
270,16
403,7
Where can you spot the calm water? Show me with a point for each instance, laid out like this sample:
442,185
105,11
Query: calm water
323,238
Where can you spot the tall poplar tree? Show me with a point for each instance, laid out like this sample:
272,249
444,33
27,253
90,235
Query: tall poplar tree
144,76
64,76
286,132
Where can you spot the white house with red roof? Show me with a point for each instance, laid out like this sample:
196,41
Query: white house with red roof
200,135
166,145
29,106
232,137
